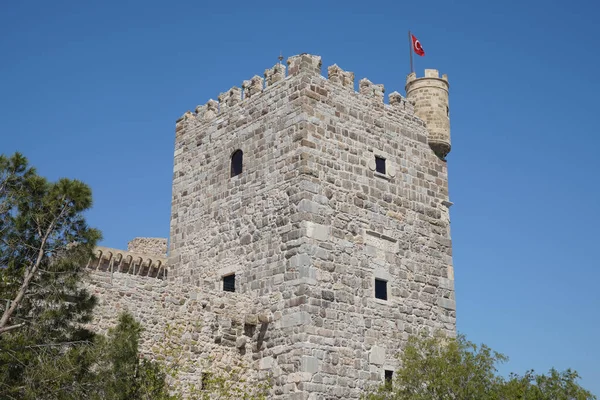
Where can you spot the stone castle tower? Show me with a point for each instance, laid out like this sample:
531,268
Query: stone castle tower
310,231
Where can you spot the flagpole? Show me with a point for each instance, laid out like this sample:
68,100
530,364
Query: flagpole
410,52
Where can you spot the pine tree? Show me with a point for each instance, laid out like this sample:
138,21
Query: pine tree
45,244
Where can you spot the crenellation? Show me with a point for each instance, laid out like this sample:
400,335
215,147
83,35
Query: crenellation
188,114
304,63
222,98
338,76
432,73
275,74
396,100
234,96
253,86
211,110
368,88
199,111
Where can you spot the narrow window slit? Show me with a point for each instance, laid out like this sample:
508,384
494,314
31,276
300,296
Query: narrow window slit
380,289
229,283
237,163
389,376
380,164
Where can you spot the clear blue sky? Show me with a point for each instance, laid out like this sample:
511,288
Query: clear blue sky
92,91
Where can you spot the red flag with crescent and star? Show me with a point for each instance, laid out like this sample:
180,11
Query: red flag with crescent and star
417,46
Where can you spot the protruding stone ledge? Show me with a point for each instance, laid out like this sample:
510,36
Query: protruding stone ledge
114,260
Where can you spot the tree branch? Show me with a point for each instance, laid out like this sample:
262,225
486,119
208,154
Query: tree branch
29,274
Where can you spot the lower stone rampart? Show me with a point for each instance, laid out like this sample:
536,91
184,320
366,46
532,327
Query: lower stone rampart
196,331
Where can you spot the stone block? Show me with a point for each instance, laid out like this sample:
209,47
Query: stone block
309,364
296,377
299,260
446,283
317,231
295,319
447,304
309,206
377,355
266,363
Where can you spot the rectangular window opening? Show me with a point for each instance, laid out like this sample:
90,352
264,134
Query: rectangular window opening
205,382
380,289
380,164
229,283
389,376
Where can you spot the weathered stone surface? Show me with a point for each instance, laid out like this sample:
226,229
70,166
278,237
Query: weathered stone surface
306,227
151,246
377,355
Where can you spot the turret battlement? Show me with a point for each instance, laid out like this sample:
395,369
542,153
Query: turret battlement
429,95
429,73
296,65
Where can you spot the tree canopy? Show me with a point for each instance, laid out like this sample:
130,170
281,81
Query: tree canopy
444,368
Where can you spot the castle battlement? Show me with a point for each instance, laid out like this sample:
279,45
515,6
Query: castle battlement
300,64
429,73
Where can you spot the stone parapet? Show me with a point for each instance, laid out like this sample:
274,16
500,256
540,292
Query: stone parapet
257,88
150,246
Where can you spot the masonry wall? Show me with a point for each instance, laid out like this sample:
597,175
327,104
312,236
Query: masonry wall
200,331
219,224
363,225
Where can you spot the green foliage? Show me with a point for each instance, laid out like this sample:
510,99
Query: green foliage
455,369
45,244
121,372
45,352
554,386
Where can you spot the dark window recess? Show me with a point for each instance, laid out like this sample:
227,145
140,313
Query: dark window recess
249,330
237,161
389,376
229,283
205,380
380,165
381,289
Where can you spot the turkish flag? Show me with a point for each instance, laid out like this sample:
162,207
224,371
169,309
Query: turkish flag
417,46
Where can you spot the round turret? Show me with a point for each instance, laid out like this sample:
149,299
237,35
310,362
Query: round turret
429,95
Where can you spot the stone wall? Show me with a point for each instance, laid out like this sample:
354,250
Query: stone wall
361,225
150,246
309,224
210,332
